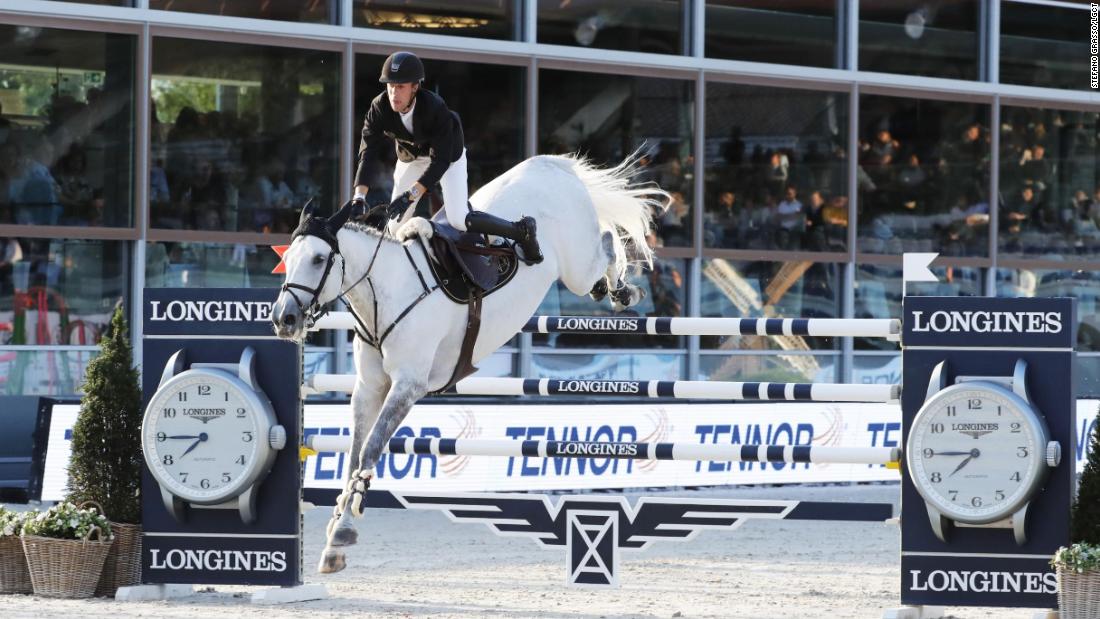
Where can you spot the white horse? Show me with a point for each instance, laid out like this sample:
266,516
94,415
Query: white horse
592,226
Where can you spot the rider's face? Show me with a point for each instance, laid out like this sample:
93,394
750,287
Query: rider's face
401,95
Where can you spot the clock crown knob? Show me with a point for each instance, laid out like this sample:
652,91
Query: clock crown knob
1054,454
276,437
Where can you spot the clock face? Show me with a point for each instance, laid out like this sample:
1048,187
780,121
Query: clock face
201,436
976,452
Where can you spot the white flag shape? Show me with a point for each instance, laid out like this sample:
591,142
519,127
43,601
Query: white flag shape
915,267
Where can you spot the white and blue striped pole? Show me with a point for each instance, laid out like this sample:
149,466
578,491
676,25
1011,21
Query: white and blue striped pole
626,325
621,451
680,389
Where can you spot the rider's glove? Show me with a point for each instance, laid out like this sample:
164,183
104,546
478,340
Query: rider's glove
400,204
358,206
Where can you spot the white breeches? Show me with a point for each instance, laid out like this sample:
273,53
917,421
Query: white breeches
456,191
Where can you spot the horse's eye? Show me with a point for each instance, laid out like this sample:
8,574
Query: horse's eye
318,259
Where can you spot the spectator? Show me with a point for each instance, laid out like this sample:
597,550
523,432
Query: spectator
673,223
815,238
911,180
76,193
1021,213
884,149
777,173
723,225
1037,168
272,194
5,125
790,220
203,197
1094,206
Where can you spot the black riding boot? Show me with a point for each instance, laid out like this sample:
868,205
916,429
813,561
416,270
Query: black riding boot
523,232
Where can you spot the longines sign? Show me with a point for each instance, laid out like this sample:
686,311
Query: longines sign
208,311
986,322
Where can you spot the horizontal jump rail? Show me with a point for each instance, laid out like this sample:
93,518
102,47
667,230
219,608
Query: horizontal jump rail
620,451
681,389
624,325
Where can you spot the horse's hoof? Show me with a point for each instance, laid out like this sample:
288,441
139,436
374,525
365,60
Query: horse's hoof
343,536
331,562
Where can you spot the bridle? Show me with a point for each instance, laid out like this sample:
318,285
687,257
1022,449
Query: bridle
313,311
315,226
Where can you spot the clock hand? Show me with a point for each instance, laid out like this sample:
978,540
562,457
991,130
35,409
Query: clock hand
182,436
202,437
193,445
951,453
974,453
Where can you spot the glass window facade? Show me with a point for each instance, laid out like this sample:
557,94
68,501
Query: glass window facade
66,127
803,33
489,19
314,12
777,368
56,293
1049,184
210,265
930,39
923,176
1043,45
791,199
794,289
776,172
241,135
608,117
653,26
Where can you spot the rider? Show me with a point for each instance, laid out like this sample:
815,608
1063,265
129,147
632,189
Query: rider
430,150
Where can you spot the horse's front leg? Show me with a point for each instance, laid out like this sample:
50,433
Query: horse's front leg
366,403
407,387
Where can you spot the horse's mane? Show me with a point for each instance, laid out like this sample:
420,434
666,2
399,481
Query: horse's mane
356,226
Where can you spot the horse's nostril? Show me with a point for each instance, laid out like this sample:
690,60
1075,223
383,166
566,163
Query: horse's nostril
289,320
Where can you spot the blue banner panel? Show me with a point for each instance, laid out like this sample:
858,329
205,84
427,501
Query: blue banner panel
951,322
977,581
234,312
169,559
214,544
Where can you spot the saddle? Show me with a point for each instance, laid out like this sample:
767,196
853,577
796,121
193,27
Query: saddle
465,265
467,268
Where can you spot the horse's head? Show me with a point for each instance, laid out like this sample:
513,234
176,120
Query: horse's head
314,272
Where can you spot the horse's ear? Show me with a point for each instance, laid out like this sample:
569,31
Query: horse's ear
307,211
340,217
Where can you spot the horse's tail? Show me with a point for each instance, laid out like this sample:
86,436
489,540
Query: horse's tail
624,209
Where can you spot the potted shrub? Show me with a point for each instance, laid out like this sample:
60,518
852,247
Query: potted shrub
66,546
1078,566
106,452
14,577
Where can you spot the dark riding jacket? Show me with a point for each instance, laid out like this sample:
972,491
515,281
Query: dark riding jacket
437,133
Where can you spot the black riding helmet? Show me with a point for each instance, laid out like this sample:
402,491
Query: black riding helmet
402,68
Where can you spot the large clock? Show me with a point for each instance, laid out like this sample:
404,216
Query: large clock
978,451
210,436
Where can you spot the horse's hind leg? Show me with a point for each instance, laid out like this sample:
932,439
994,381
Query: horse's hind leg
626,295
623,294
366,403
606,270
